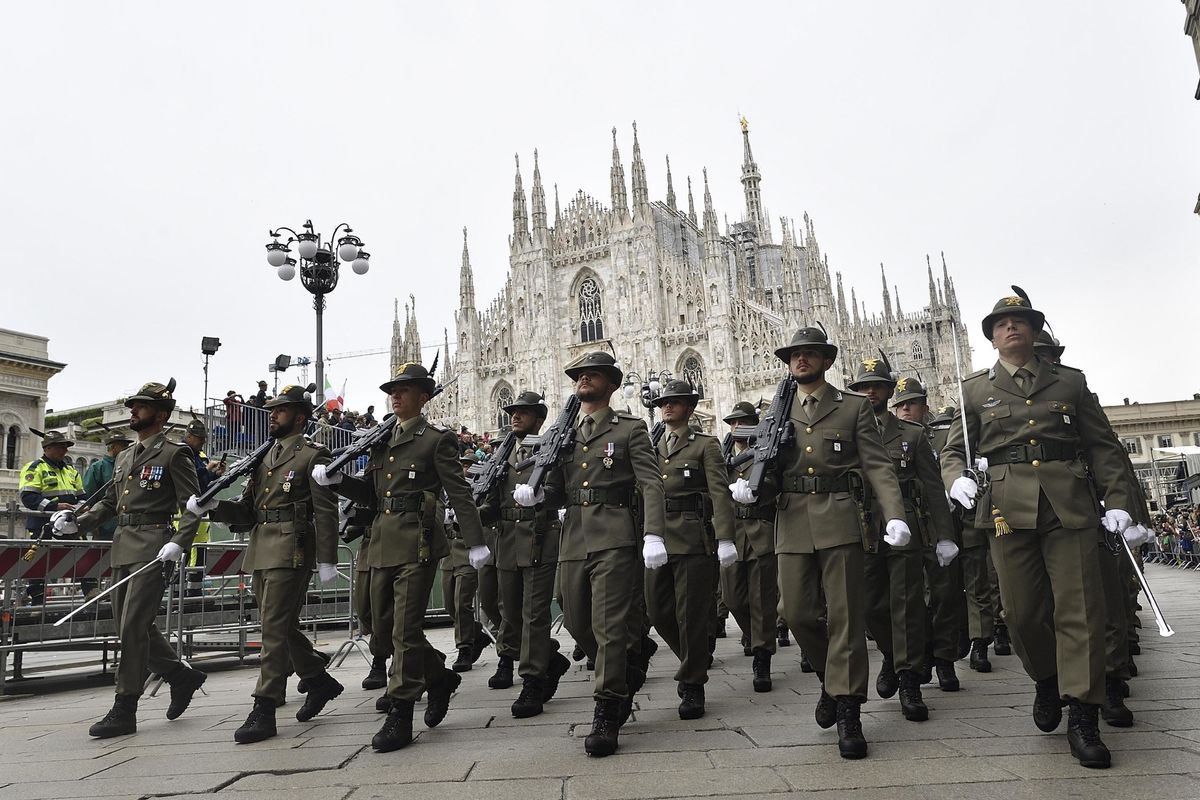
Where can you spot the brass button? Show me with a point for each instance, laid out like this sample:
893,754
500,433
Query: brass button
263,507
124,508
412,466
586,503
387,494
585,448
583,465
126,491
1033,441
391,458
991,413
811,470
129,478
808,430
387,511
1028,402
585,483
664,477
808,449
389,475
268,473
1036,463
1033,422
666,461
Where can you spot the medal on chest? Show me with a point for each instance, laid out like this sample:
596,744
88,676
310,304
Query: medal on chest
151,476
903,454
287,480
609,449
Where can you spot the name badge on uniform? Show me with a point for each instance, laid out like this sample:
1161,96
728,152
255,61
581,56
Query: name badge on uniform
837,447
687,473
609,449
1067,418
287,480
412,475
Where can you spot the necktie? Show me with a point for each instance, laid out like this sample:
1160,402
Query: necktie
671,440
276,454
1024,379
586,427
809,404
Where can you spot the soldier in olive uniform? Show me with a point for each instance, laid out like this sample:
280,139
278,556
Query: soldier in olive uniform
819,530
1040,429
403,479
460,586
895,573
751,584
610,464
946,617
680,575
381,644
527,561
152,481
295,528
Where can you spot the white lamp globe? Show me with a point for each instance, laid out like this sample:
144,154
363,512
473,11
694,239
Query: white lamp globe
361,264
655,386
347,251
307,248
286,272
276,257
628,390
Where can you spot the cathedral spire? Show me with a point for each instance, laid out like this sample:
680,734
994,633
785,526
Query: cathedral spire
841,302
691,202
933,292
466,280
620,203
670,188
948,287
539,201
710,216
520,215
899,313
750,181
854,305
557,210
641,192
412,339
887,296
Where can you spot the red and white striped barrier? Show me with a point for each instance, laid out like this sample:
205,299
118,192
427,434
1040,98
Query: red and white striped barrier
221,560
54,561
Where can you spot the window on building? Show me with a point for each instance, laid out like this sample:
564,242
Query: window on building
1196,439
1166,440
918,352
591,312
11,444
693,373
504,397
1133,446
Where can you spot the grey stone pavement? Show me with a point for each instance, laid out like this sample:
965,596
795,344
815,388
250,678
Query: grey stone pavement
980,742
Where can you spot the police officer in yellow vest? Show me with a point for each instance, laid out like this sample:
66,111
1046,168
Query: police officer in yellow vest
152,482
527,561
1041,429
610,469
698,524
404,478
819,531
295,529
49,484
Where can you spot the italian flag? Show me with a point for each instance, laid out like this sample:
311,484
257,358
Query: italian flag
331,401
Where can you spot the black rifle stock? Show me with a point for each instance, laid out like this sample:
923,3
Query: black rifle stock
487,476
656,433
773,431
554,444
234,473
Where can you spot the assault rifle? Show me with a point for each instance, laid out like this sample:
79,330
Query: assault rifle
774,430
554,444
242,467
656,433
487,476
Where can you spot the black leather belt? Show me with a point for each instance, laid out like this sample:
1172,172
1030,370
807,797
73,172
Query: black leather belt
609,497
754,512
405,502
142,518
518,514
692,502
816,484
285,514
910,490
1028,453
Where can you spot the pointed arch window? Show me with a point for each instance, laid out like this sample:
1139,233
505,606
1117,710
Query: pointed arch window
591,312
918,352
10,448
504,397
693,373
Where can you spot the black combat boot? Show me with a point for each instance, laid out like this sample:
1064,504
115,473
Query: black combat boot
1003,646
1047,705
781,632
503,678
1132,667
577,654
590,666
259,725
827,708
887,683
721,634
805,664
606,724
1135,649
762,671
635,679
321,689
383,703
979,656
747,650
377,677
529,702
649,648
184,682
119,721
1083,734
558,667
851,743
911,703
947,677
692,706
397,728
438,702
1114,710
464,661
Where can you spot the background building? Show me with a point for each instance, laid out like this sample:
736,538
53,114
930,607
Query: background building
1163,442
25,371
664,286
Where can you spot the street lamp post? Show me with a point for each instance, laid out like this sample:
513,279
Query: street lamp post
319,270
649,390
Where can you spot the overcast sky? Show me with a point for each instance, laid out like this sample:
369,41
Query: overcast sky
148,147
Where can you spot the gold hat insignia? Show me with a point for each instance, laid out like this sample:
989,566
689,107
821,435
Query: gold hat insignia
900,384
1014,301
870,364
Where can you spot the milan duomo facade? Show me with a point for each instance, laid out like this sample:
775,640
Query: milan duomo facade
666,288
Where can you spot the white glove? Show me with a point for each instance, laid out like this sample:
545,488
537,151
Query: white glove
169,552
450,518
327,573
654,551
1116,520
63,522
193,505
897,534
523,494
964,490
1136,535
981,463
742,493
323,478
946,551
562,514
479,556
726,552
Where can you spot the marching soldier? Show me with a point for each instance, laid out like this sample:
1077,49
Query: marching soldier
527,561
460,586
381,643
403,479
946,619
152,482
295,528
680,576
819,531
895,573
508,646
751,584
49,484
610,464
1040,428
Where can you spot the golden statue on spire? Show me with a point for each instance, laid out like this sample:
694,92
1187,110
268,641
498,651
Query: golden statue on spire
744,122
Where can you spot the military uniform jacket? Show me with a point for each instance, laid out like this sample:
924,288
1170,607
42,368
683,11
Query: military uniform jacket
925,506
618,458
148,489
403,479
693,473
1059,411
295,519
526,537
964,520
841,437
754,524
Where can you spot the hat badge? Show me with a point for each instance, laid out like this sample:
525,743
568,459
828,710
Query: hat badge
870,364
900,384
1014,301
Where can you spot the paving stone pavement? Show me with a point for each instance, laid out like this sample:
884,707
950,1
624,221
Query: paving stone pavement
979,743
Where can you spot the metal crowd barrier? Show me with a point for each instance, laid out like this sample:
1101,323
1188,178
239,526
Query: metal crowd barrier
241,428
1175,557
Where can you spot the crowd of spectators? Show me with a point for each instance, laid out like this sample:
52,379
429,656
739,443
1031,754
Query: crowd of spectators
479,444
1175,536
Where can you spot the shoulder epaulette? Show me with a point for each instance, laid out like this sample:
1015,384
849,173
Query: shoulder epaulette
627,416
1066,368
847,393
439,428
910,423
977,374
